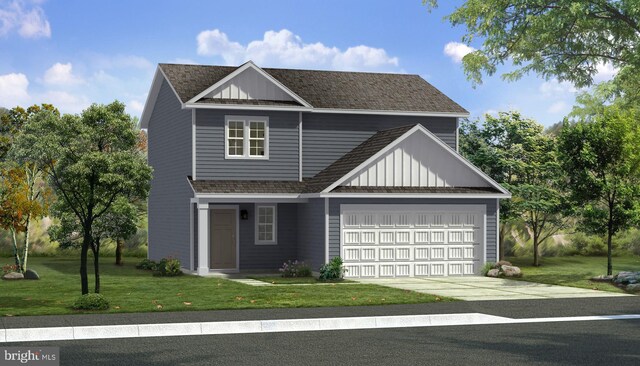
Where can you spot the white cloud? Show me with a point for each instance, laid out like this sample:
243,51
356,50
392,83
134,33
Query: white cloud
284,48
605,71
61,74
13,90
25,17
558,107
554,88
456,51
64,101
135,107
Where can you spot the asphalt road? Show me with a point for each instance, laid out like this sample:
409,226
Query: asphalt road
611,342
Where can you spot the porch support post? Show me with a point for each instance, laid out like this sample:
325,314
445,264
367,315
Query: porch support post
203,239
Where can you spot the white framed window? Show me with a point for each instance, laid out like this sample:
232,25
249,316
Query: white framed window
246,137
266,217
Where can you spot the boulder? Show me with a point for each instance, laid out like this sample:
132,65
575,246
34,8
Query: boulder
493,273
511,271
13,276
602,278
503,263
624,278
633,287
31,275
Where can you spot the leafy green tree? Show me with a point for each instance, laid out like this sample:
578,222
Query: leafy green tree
515,152
602,160
117,223
92,161
566,39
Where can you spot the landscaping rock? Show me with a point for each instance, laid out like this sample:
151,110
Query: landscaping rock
633,287
13,276
493,273
511,271
503,263
625,278
602,278
31,275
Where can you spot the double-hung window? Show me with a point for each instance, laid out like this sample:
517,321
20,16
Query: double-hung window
246,137
266,225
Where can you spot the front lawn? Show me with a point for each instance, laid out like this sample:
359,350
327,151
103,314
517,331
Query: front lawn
574,271
295,280
132,290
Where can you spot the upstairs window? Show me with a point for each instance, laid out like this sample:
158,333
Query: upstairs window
247,137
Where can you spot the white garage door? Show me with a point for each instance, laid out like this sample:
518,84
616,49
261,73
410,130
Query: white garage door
412,240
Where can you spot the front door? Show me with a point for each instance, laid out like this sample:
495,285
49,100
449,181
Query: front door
223,239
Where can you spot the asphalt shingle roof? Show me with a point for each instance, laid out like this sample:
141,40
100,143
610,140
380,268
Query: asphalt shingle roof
246,186
328,89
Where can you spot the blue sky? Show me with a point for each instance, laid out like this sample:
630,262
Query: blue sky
73,53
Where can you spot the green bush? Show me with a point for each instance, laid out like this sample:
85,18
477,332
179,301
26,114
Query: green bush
332,270
629,241
168,267
487,267
147,264
91,302
589,245
295,269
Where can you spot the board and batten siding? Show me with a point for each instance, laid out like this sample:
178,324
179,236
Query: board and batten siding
169,153
334,217
283,147
328,136
311,244
267,256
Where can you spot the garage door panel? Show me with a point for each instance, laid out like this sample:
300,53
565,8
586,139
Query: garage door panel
397,243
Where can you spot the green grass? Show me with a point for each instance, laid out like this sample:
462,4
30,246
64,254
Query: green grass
294,280
574,271
132,290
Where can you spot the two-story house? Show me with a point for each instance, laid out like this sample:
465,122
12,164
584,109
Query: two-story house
253,167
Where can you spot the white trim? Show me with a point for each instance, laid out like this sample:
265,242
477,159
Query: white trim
244,107
191,234
273,196
154,90
497,229
326,229
246,136
237,210
239,70
204,243
193,144
405,195
402,138
256,208
300,146
457,135
484,234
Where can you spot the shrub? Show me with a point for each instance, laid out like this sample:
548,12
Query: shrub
147,264
332,270
295,269
168,267
8,268
629,241
91,302
487,267
589,245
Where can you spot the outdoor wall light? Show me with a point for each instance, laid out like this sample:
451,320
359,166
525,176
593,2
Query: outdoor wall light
244,215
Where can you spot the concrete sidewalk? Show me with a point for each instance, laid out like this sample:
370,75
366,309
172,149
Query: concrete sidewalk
486,288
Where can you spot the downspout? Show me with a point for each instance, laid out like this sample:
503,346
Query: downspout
326,229
300,146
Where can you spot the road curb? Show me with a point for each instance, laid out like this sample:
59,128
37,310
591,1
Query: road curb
274,325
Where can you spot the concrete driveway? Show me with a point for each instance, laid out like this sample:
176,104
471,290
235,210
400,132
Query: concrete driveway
485,288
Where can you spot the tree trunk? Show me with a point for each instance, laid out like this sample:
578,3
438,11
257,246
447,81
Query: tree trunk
119,247
96,265
84,280
609,241
536,250
26,245
16,255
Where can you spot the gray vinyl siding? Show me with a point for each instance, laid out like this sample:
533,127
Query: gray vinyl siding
334,217
195,236
328,136
268,257
169,152
311,233
283,147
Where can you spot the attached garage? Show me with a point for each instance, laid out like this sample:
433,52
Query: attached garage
412,240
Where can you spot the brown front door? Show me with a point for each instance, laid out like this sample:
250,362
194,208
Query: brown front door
223,239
